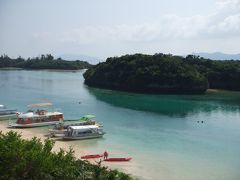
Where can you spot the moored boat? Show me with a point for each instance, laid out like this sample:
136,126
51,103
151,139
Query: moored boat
83,132
60,128
39,117
6,113
117,159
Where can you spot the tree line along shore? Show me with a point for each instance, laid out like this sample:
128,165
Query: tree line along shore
158,73
164,73
43,62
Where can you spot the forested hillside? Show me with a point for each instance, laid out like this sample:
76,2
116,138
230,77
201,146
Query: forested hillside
164,73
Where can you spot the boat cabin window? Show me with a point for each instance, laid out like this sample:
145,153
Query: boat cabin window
41,112
85,132
20,120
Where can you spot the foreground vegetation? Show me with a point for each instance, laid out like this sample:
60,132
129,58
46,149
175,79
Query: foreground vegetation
42,62
32,159
164,73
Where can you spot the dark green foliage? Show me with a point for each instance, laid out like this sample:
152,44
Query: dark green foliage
144,73
32,159
164,73
220,74
43,62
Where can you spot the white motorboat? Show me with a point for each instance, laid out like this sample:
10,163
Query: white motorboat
83,132
59,129
6,113
39,117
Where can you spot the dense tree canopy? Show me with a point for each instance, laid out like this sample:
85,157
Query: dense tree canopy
42,62
32,159
220,74
164,73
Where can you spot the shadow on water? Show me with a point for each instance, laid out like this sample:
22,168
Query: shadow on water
171,105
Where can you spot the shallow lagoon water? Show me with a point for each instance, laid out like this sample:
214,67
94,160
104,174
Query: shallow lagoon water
163,133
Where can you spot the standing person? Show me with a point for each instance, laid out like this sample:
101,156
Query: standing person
105,155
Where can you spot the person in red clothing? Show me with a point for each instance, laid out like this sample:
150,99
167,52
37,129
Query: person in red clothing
105,155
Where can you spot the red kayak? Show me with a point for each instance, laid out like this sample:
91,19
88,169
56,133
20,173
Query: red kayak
117,159
92,156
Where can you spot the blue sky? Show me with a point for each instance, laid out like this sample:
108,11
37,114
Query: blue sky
104,28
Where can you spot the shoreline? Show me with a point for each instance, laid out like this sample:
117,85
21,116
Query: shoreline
207,92
54,70
29,133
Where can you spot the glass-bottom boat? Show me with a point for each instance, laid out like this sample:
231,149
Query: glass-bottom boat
59,129
83,132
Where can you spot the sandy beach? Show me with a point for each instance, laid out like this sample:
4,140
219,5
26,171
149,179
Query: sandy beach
28,133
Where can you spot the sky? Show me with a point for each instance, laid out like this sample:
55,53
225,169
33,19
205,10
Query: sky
104,28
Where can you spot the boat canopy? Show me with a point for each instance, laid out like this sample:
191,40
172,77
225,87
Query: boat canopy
87,117
40,104
2,106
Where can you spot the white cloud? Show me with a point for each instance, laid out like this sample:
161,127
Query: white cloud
228,4
229,26
224,22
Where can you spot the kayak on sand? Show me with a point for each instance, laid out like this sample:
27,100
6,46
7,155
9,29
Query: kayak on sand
117,159
92,156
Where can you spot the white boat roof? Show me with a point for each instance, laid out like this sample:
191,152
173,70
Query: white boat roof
84,127
26,115
40,105
2,106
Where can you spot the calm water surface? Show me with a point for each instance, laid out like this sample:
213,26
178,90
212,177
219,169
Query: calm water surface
163,133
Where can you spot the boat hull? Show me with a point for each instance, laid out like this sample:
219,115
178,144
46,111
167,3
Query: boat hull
15,125
57,133
8,116
7,111
92,136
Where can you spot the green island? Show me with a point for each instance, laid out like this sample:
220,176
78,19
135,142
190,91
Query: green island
43,62
164,73
33,159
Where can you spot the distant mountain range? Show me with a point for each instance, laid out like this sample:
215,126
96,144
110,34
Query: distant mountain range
218,56
73,57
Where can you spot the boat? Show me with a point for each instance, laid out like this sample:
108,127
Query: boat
83,132
6,113
92,156
117,159
60,128
37,115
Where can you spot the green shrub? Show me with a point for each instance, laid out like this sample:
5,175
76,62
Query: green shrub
33,159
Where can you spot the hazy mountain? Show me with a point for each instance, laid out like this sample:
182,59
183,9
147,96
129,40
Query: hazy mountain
72,57
218,56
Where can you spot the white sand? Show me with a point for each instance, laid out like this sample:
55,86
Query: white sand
128,167
28,134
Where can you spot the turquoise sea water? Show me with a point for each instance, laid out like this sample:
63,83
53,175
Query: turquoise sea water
163,133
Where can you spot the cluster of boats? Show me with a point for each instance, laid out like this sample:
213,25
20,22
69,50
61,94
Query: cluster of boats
39,115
